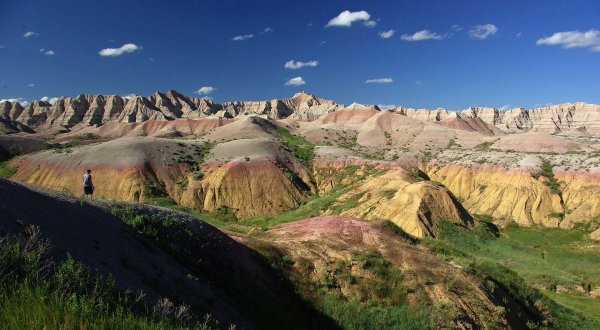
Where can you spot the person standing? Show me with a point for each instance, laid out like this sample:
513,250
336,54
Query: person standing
88,185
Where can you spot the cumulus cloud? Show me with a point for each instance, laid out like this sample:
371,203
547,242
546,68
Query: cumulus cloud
50,100
48,52
386,34
422,35
205,90
574,39
126,48
379,81
296,81
346,18
30,34
243,37
482,32
295,65
370,23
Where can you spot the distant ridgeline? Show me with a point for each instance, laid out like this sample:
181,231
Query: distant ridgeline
95,110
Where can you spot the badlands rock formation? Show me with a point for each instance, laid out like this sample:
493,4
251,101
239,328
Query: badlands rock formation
93,110
484,159
555,118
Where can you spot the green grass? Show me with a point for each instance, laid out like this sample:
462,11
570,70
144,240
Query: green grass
547,170
311,208
533,262
301,148
6,171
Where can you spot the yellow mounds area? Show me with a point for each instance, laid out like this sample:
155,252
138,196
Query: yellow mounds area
519,196
391,193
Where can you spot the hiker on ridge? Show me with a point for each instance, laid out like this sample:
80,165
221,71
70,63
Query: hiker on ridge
88,185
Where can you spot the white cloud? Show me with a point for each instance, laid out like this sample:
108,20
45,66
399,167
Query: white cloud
346,18
505,107
294,65
1,46
20,100
379,81
419,83
386,34
387,106
422,35
129,96
297,81
50,100
31,85
519,34
126,48
243,37
482,32
205,90
574,39
267,30
48,52
370,23
456,27
323,42
30,34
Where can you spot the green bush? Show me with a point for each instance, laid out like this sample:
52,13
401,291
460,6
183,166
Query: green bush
6,171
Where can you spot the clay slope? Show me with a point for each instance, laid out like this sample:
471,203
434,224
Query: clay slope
236,176
231,282
384,191
327,247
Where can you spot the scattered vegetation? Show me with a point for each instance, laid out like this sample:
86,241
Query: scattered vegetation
547,170
378,300
87,137
388,138
300,147
484,146
452,143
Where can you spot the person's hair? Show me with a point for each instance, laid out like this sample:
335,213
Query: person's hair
89,171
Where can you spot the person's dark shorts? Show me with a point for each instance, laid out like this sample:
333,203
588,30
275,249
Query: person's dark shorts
88,190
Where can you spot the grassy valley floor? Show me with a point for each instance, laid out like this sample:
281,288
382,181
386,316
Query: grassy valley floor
562,264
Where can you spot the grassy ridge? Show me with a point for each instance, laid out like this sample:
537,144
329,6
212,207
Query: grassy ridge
35,291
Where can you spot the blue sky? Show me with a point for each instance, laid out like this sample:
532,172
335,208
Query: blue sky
441,53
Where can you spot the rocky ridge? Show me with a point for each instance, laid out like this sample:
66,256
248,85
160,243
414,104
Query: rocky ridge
96,110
